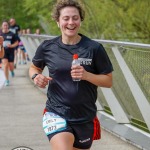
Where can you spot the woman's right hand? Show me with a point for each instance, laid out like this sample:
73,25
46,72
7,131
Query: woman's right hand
41,80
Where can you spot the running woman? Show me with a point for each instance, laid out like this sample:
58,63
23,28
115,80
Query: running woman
9,44
70,117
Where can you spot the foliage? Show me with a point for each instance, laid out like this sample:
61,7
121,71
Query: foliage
127,20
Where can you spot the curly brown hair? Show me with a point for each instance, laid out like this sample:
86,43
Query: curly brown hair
64,3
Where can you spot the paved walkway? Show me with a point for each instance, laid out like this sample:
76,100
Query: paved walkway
21,106
2,78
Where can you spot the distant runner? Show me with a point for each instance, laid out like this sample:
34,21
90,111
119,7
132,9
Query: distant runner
9,44
13,27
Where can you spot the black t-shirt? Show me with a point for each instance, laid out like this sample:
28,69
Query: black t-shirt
74,101
15,29
9,38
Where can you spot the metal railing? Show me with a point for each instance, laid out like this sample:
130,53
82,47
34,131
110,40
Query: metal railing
128,101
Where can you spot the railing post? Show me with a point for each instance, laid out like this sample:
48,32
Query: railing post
116,109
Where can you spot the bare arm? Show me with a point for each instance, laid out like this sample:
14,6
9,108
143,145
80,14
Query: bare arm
34,70
40,80
103,80
1,51
13,45
1,47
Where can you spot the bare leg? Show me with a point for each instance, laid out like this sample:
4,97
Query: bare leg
11,66
19,56
62,141
23,57
6,68
16,58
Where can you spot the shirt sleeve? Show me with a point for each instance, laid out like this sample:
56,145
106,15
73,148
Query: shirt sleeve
18,28
14,39
102,62
38,59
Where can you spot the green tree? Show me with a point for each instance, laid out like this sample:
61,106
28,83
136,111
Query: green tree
107,19
140,18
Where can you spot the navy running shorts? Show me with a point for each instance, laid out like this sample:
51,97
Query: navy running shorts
9,54
84,133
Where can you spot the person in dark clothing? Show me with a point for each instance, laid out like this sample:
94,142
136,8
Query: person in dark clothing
70,117
9,44
15,28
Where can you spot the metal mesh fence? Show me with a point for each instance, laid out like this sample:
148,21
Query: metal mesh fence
138,62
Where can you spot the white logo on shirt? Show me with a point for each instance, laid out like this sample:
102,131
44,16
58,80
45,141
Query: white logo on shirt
85,61
13,30
9,37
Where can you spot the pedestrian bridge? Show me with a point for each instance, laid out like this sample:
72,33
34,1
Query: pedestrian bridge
124,110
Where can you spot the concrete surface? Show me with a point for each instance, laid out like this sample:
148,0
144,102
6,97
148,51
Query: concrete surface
2,78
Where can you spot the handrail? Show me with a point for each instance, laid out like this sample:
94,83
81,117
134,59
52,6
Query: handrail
111,42
122,43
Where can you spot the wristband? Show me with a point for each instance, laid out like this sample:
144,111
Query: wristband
34,76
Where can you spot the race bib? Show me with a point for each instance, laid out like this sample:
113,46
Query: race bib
53,123
5,43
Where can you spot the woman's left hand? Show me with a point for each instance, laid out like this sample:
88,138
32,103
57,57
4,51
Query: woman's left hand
78,72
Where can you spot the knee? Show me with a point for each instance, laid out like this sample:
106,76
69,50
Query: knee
63,141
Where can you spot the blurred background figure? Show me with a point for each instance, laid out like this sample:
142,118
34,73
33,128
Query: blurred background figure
21,54
25,31
37,31
28,31
21,51
9,44
13,27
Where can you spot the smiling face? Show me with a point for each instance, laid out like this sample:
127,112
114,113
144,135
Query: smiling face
69,22
5,27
